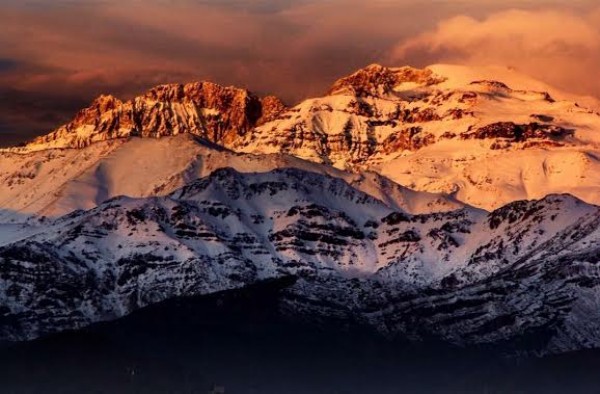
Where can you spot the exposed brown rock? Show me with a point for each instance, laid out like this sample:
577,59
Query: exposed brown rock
219,114
492,84
519,132
411,139
375,80
271,107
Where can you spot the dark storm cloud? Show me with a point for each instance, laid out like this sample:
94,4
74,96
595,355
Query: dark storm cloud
7,65
9,135
55,56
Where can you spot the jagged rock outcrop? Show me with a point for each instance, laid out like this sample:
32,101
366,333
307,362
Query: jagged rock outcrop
521,132
377,80
217,113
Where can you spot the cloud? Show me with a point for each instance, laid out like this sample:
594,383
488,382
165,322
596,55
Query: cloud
56,56
559,47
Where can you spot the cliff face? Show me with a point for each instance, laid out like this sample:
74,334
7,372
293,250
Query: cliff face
377,80
216,113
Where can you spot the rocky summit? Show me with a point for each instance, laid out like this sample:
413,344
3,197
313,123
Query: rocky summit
216,113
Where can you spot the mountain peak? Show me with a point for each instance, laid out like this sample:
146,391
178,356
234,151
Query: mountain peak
209,110
106,100
378,80
195,91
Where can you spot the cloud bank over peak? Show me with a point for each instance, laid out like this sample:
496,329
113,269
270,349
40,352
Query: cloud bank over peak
557,46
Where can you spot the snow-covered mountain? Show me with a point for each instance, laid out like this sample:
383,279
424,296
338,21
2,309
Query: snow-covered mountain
467,276
446,129
395,201
54,182
487,136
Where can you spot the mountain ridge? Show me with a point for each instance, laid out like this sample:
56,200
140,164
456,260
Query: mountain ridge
436,203
467,276
433,130
54,182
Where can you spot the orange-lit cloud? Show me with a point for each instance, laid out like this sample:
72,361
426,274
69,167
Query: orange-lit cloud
55,56
559,47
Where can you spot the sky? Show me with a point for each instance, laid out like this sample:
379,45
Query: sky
57,55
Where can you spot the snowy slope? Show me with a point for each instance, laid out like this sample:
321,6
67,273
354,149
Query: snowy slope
55,182
466,276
